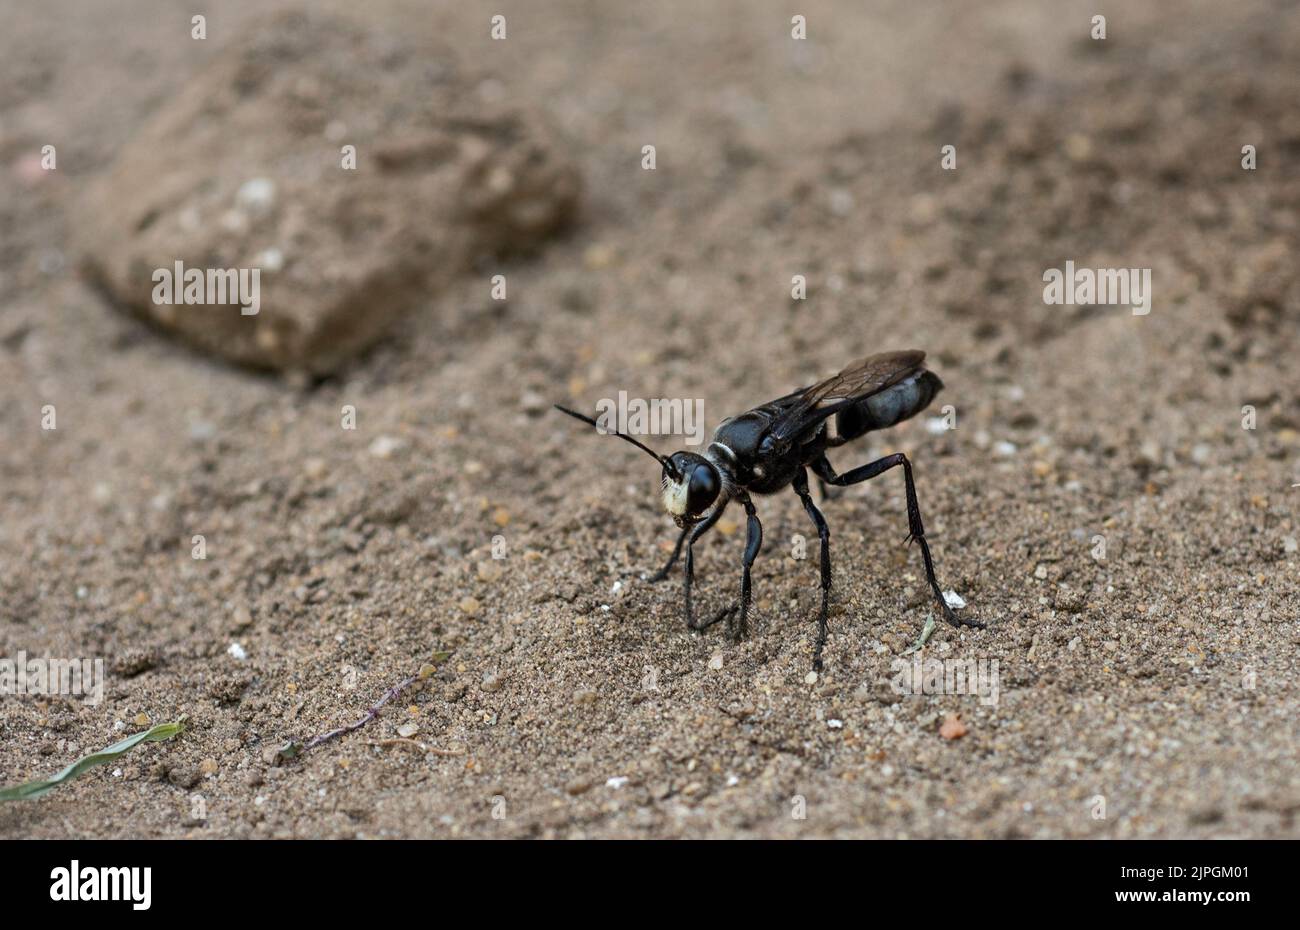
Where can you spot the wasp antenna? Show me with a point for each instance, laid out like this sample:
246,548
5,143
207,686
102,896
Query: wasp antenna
640,445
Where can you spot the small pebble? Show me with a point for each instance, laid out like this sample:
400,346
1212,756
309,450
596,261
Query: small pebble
469,606
952,727
384,446
715,661
208,766
257,195
407,730
241,619
270,260
533,403
598,256
491,682
314,467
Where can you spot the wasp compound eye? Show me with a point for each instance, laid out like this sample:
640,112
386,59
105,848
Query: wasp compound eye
703,488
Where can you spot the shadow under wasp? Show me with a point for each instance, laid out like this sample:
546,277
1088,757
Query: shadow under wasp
771,447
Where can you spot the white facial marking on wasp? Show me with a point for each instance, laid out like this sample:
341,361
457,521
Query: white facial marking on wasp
675,497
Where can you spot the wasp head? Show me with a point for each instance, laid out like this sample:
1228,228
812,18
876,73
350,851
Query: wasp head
690,486
691,483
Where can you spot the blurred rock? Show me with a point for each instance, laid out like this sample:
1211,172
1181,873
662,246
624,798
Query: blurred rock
244,169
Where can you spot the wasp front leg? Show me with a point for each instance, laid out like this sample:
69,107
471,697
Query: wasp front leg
695,532
672,559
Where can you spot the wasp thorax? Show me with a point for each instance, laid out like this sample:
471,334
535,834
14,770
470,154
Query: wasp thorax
690,486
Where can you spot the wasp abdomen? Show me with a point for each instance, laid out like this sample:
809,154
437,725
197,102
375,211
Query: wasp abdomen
890,406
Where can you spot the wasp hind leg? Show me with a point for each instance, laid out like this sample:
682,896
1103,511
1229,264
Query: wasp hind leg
822,467
823,531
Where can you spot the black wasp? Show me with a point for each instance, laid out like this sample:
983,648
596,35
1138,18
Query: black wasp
774,445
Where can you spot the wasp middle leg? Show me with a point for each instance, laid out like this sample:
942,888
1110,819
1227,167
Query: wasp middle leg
823,531
753,543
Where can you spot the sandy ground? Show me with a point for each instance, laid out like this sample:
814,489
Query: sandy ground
1160,679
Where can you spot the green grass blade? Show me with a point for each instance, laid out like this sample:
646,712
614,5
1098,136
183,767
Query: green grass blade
34,789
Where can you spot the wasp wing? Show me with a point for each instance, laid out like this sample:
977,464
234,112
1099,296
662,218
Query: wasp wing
810,406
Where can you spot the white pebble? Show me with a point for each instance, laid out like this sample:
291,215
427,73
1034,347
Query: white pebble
237,651
618,781
257,194
270,260
384,446
954,600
